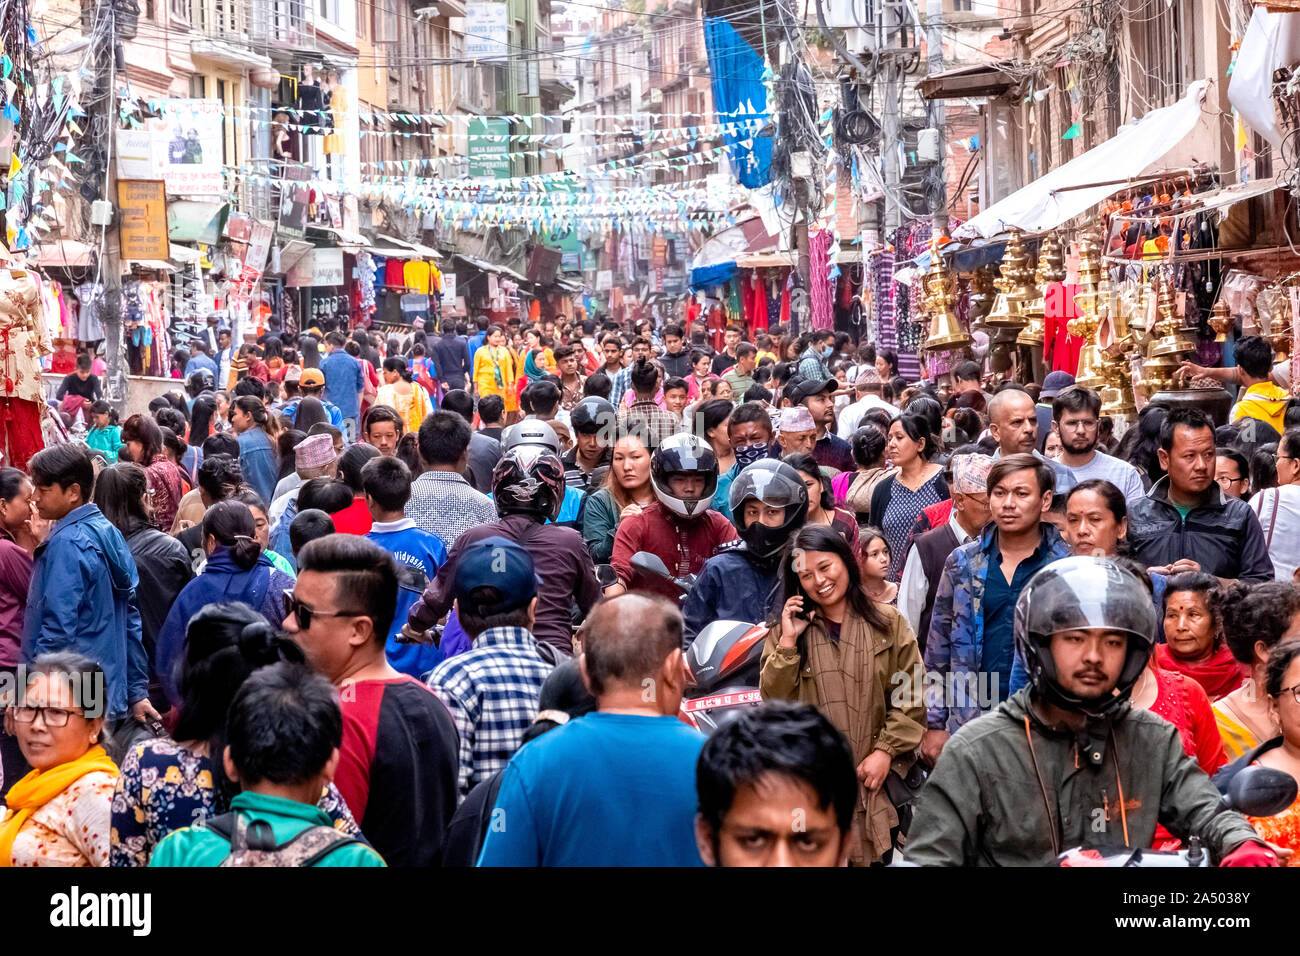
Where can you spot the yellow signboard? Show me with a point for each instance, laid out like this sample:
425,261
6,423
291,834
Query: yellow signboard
142,226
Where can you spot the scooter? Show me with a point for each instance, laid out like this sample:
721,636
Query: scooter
1255,792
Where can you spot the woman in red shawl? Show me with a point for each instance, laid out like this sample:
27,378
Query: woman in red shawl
144,443
1194,635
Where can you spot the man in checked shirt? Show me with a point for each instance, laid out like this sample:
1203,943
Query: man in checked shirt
492,689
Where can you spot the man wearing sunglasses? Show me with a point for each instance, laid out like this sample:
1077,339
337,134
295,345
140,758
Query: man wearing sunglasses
400,755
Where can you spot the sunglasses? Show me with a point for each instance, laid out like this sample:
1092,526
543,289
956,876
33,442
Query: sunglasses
302,614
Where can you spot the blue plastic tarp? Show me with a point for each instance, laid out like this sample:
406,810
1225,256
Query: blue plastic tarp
737,75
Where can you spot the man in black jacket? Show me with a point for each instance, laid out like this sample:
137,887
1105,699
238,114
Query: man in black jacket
1184,523
676,360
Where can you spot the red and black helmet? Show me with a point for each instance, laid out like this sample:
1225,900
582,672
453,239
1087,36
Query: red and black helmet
529,479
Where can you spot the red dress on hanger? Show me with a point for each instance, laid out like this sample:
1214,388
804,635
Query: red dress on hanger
755,301
1061,349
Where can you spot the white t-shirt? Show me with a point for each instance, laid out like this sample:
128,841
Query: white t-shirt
1281,529
1115,470
851,417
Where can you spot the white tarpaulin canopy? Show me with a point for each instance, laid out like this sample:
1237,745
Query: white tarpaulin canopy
1042,205
1272,40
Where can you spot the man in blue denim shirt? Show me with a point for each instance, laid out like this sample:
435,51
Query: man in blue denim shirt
82,594
970,650
344,382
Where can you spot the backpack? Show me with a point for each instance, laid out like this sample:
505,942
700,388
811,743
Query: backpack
252,844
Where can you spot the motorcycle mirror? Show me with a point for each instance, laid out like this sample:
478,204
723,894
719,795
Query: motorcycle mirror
651,564
1260,792
606,576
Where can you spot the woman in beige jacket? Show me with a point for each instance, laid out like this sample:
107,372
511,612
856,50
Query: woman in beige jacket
857,662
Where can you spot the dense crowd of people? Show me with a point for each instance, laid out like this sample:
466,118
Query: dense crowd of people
433,599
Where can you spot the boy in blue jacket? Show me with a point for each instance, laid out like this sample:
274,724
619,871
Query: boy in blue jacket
82,594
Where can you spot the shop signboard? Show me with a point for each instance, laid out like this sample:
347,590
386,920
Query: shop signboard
142,219
488,148
448,289
259,243
319,268
295,196
604,280
185,142
487,31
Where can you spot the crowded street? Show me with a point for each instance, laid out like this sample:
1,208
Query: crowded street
847,448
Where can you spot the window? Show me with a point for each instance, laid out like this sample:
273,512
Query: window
179,9
197,91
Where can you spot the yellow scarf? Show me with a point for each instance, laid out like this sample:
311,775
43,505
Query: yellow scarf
40,787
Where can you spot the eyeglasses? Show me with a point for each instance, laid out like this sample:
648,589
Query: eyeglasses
53,716
1294,690
302,614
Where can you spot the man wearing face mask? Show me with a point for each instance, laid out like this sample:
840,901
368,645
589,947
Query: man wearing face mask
749,429
770,503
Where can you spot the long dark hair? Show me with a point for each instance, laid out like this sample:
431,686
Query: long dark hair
231,525
145,430
806,464
224,643
253,407
120,492
205,406
309,349
821,537
917,427
311,411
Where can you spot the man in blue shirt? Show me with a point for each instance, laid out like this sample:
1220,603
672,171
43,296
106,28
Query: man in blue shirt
344,382
199,359
476,340
418,553
616,787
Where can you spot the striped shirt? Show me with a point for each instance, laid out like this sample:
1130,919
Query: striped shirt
492,692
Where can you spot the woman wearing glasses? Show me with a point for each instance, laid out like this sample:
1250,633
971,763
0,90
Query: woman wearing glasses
58,815
1278,509
237,570
1282,752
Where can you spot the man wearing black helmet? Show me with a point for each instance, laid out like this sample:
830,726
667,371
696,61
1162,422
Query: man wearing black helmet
769,502
1066,762
680,528
528,490
592,422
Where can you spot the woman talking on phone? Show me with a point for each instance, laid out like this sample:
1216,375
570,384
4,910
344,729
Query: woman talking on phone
840,651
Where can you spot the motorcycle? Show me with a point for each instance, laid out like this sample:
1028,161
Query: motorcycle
722,661
1255,792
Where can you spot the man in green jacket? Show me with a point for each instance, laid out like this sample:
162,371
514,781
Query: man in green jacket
1066,762
284,732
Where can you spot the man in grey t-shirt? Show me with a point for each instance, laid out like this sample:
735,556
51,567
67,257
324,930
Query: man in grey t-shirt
1077,412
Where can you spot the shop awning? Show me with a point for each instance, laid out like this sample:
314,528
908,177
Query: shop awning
345,239
1214,199
147,265
985,79
776,260
416,250
184,254
193,221
485,266
62,253
1056,198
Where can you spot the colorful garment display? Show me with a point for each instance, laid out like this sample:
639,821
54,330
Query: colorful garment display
823,291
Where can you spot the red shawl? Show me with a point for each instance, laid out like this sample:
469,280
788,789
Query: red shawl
1220,674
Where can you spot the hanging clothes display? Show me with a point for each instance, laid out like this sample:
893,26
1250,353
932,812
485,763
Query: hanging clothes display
755,303
1061,349
822,291
886,318
24,339
415,275
90,327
